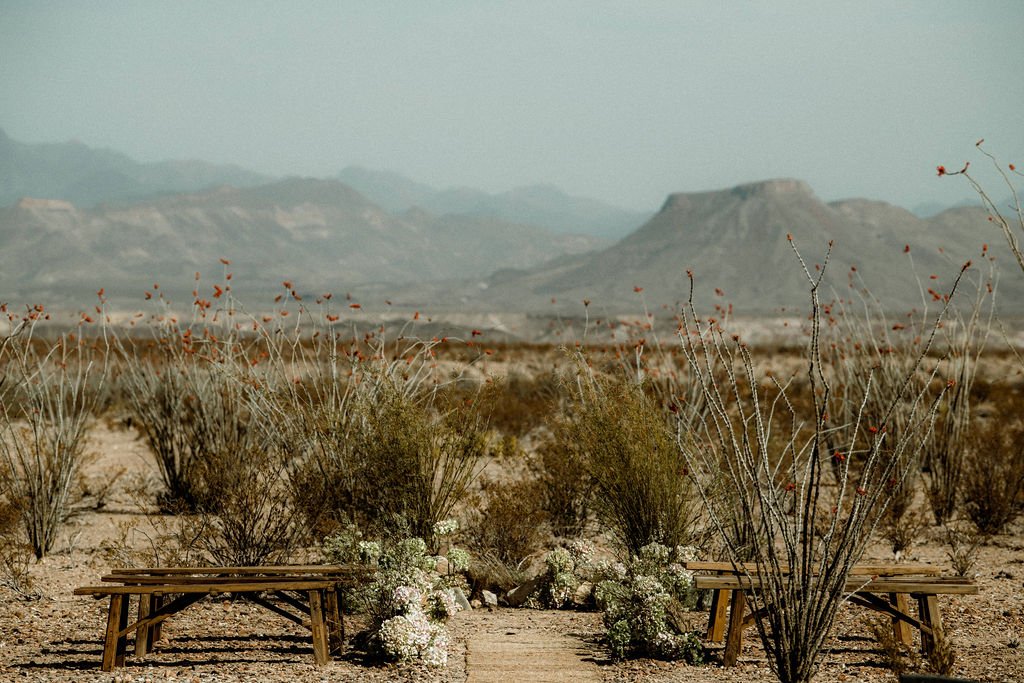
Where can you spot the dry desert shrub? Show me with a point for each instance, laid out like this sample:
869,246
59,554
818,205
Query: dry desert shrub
523,403
993,481
222,459
378,438
808,512
249,522
564,481
898,657
15,553
47,399
193,414
419,456
509,524
964,337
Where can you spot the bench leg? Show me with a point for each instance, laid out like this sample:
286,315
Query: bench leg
335,625
716,622
142,645
110,638
321,648
901,629
122,624
156,630
928,613
734,640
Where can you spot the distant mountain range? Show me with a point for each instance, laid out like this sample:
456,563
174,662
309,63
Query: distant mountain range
86,176
735,241
543,205
78,219
319,233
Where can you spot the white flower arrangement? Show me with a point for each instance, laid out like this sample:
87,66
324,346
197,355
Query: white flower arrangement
458,560
636,598
369,551
446,527
412,603
441,605
408,599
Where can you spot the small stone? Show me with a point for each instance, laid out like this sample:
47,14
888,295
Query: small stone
518,595
583,593
460,598
475,604
442,566
489,598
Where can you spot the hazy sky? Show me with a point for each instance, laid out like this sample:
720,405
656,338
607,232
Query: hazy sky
625,101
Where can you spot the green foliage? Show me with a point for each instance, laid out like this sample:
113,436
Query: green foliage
642,489
411,459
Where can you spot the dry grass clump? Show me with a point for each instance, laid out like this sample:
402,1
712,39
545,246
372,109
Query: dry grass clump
522,403
15,554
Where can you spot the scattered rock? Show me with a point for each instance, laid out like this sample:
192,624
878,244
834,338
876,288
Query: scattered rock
442,566
584,592
518,595
489,598
460,598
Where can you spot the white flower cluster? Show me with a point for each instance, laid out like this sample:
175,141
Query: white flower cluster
637,598
408,599
687,553
419,632
446,527
458,560
582,552
413,636
441,605
369,551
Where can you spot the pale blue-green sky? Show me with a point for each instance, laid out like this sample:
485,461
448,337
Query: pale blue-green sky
627,101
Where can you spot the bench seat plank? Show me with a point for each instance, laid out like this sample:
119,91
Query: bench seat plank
203,580
923,586
875,569
320,589
269,570
206,587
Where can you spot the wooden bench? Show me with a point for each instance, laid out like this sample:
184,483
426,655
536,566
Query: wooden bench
309,595
865,585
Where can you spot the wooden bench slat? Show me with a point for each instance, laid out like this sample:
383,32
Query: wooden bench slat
929,586
209,580
269,570
879,569
207,587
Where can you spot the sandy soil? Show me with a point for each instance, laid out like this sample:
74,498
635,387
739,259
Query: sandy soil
57,637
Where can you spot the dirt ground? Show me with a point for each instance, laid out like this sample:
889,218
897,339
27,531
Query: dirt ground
57,636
